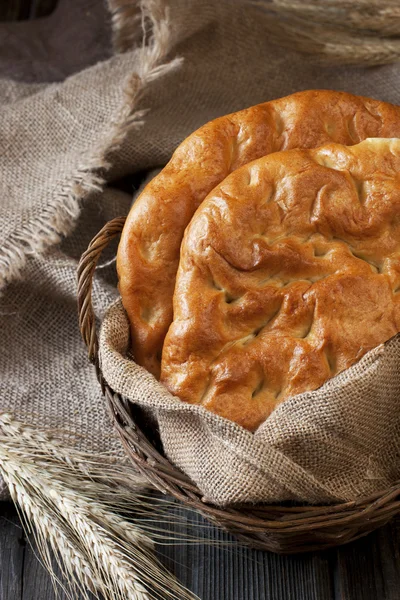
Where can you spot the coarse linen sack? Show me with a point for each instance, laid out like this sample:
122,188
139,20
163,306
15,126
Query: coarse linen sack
338,443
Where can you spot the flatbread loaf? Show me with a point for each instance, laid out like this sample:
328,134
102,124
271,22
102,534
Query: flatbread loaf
148,253
289,273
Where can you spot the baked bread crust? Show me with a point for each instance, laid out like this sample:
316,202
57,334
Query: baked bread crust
148,253
289,273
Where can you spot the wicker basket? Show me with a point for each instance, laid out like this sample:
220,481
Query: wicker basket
284,529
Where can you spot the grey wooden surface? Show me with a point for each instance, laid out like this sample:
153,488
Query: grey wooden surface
15,10
368,569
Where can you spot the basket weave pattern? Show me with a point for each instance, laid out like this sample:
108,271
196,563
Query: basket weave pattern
284,529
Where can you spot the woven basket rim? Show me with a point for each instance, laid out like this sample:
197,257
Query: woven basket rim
278,528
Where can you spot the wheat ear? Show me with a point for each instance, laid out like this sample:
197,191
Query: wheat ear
121,488
353,32
96,548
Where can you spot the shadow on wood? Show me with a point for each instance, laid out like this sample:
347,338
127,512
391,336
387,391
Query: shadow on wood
215,568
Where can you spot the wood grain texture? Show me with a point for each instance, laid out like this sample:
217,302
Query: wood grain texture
22,576
12,552
217,569
16,10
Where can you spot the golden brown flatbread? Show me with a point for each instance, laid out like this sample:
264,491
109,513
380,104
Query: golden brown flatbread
289,273
148,253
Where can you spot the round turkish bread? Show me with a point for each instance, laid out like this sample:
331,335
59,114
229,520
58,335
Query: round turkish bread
289,273
148,254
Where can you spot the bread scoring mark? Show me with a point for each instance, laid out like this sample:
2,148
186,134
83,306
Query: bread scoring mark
234,151
343,242
308,238
315,207
316,278
319,253
239,141
308,325
352,131
358,187
271,279
215,285
375,268
310,280
272,195
375,116
230,298
271,318
253,176
247,339
231,265
280,129
147,250
269,241
258,389
233,146
145,313
330,129
282,213
279,124
206,390
284,283
331,361
324,160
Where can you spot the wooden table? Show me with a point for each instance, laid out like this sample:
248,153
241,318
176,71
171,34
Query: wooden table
11,10
368,569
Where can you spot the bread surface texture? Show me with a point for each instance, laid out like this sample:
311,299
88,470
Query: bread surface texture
148,253
289,273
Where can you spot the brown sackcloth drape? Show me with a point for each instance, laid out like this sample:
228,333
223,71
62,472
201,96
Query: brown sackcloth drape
72,122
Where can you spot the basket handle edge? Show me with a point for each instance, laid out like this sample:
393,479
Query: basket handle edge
85,271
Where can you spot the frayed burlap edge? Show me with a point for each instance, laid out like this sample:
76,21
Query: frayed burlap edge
126,19
58,217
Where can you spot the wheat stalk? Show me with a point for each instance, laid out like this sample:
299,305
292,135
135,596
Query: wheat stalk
71,500
121,488
71,540
361,32
74,564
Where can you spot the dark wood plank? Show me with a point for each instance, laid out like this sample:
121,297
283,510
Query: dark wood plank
41,8
217,569
12,550
22,576
17,10
369,569
14,10
38,583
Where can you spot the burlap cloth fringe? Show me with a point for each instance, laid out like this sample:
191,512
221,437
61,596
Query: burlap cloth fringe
70,126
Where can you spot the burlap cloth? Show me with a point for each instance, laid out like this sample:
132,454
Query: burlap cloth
69,129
